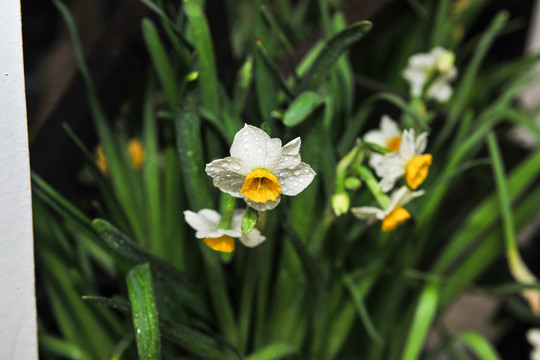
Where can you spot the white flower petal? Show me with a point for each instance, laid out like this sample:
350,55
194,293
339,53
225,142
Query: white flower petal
375,160
269,205
368,213
292,147
253,238
533,336
293,181
210,216
250,145
236,221
229,174
395,199
416,79
421,143
206,223
217,233
439,91
407,147
273,150
376,137
389,127
424,60
289,156
392,165
409,196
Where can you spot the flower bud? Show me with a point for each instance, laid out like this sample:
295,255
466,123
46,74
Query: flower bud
445,61
340,203
352,183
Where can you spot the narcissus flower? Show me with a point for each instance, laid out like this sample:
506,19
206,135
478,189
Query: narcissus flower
206,223
408,161
260,169
388,135
437,68
394,215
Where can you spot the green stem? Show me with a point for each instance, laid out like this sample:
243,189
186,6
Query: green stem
367,176
227,209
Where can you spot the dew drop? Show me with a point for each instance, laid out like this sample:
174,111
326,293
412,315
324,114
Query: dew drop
297,172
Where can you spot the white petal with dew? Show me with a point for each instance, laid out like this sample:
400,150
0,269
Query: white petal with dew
269,205
229,174
289,156
293,181
250,145
273,150
292,147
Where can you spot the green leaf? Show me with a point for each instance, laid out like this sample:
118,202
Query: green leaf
273,352
357,297
198,28
465,87
122,245
161,62
144,312
273,68
301,108
193,341
121,347
479,345
423,317
333,49
190,149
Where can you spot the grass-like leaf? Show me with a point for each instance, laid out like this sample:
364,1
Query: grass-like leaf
144,312
333,49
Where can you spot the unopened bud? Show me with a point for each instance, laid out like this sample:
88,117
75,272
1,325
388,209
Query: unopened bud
352,183
445,61
340,203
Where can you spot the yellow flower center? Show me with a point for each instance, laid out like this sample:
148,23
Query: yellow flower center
136,152
393,143
417,170
101,162
260,186
223,243
394,219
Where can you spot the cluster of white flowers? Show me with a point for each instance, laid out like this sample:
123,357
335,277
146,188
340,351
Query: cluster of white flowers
259,171
430,74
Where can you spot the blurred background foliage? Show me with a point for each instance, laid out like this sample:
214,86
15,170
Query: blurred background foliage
181,79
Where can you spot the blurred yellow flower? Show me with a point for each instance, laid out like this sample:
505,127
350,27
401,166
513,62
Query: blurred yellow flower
136,154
